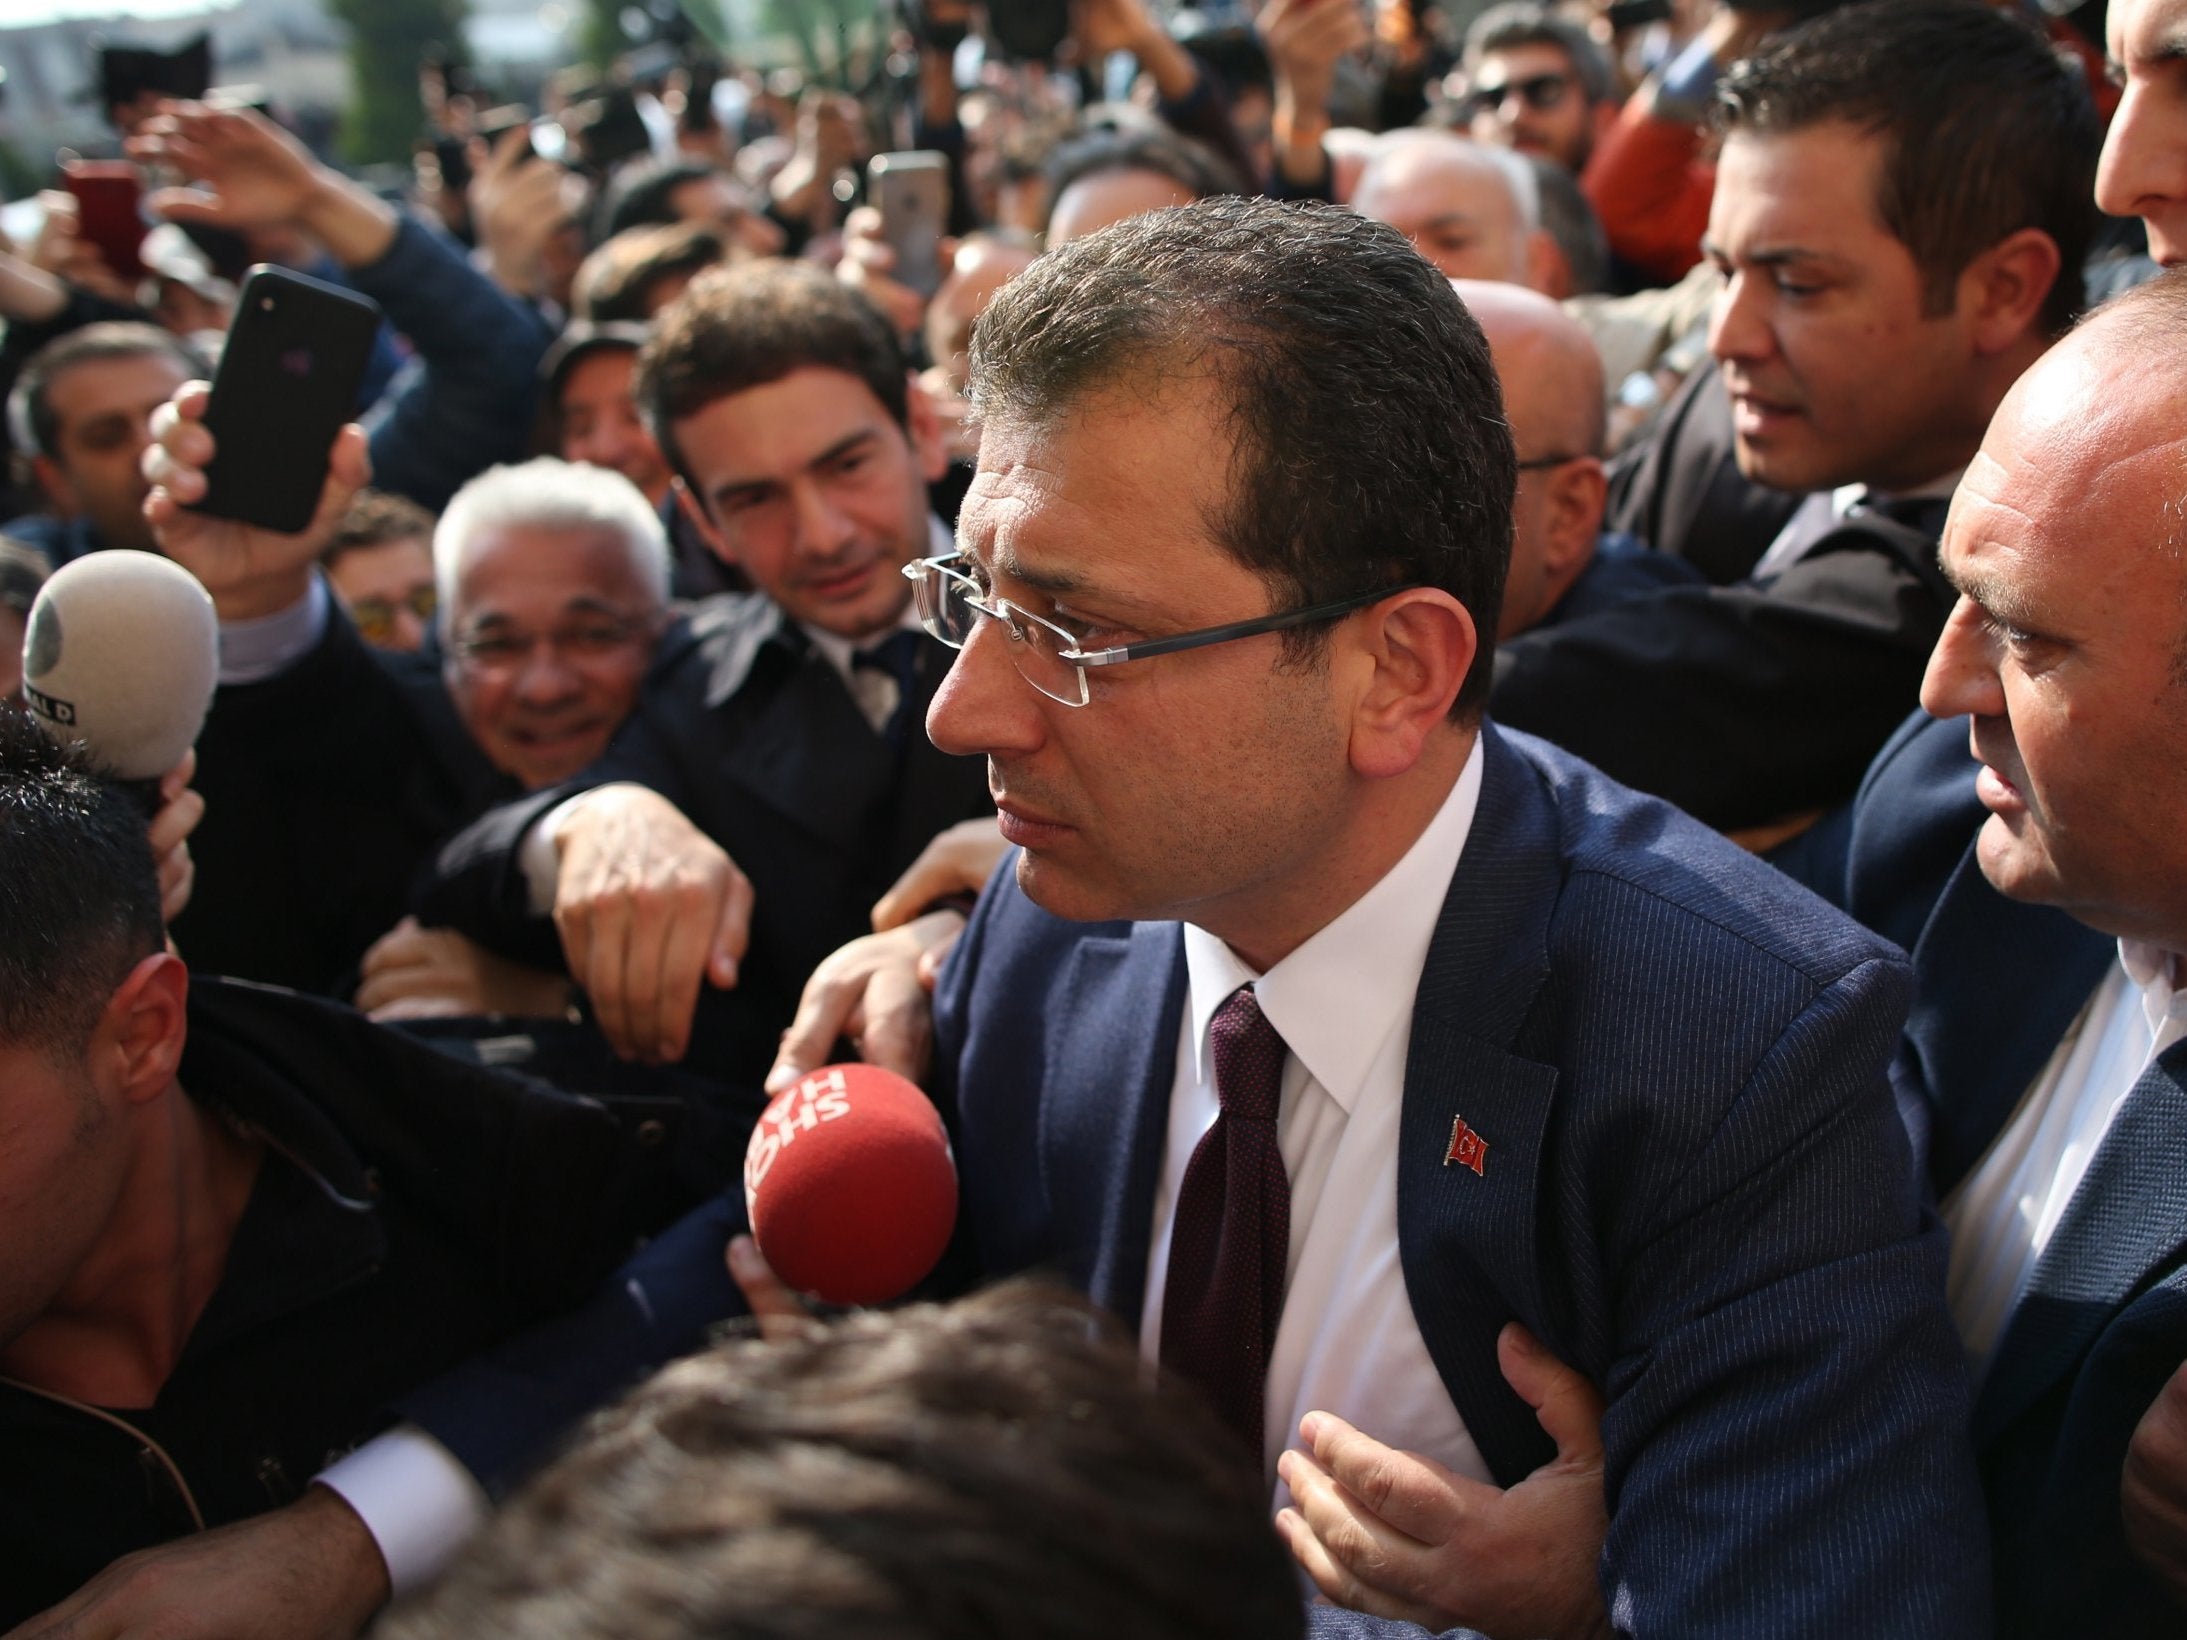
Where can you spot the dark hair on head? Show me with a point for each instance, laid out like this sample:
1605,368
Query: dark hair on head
994,1469
1191,165
32,420
374,518
1528,23
617,283
1987,130
643,194
753,323
1570,220
79,893
1372,447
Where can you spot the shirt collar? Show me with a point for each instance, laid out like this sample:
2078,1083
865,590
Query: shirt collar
2153,971
1335,999
838,650
1846,497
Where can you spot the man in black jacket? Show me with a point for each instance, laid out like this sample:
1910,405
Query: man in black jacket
773,781
1901,211
235,1224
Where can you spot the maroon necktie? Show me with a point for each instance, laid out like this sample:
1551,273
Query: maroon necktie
1231,1236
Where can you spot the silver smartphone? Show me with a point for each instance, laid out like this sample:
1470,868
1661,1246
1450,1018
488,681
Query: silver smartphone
911,191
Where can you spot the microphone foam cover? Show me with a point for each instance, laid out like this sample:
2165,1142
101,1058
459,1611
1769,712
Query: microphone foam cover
850,1184
122,652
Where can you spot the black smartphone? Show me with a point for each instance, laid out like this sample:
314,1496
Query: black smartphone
288,378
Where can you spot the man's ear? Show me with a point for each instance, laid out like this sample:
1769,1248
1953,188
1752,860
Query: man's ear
2003,289
1411,653
1578,491
1547,269
923,428
695,514
144,1027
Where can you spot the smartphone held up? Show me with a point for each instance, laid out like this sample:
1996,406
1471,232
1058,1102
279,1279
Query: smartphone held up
287,380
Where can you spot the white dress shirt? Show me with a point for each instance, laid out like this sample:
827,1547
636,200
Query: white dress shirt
2005,1211
1347,1342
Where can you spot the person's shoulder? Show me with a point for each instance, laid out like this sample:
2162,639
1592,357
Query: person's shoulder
713,644
1642,878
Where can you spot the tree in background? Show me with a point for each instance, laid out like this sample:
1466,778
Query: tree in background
386,40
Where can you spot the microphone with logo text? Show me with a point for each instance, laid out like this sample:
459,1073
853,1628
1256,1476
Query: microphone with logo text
850,1185
122,653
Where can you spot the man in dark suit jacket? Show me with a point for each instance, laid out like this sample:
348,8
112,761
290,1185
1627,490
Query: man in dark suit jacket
1607,1076
1567,1125
2042,1069
1872,321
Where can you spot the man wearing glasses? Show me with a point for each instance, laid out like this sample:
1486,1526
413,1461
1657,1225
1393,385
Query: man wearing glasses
1323,1030
772,782
1534,82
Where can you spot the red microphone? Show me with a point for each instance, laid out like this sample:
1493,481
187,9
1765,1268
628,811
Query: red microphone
850,1184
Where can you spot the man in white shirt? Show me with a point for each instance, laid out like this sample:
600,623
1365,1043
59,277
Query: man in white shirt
1468,1034
2041,1071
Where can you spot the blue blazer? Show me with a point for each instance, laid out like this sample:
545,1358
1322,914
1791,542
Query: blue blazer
1697,1192
2103,1322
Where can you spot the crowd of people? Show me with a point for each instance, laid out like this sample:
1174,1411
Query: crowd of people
1490,708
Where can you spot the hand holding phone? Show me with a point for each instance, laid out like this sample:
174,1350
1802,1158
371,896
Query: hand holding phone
249,572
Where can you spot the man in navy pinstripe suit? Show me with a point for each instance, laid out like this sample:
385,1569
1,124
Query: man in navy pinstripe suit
1552,1052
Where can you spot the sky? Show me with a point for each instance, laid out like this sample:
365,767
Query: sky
18,13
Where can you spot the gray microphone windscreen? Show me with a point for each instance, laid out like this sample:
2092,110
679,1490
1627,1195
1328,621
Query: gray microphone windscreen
122,652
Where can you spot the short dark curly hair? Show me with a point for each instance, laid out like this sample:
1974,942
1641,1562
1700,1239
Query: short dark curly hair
79,892
1373,450
747,325
996,1467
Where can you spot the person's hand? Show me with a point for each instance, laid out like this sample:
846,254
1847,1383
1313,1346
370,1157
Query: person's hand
426,973
1396,1535
867,262
61,250
249,174
781,1314
309,1571
648,907
180,809
876,991
1306,39
956,861
2153,1489
249,571
518,202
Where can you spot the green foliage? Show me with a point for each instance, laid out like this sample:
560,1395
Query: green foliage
387,38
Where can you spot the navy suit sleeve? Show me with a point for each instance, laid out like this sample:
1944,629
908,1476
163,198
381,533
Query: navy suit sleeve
1785,1440
504,1412
465,402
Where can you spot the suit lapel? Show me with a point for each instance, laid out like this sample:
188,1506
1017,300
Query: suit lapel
807,753
1972,1072
1466,1235
2128,1218
1112,1057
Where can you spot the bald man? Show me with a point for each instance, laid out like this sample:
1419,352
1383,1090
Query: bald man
1562,564
1474,211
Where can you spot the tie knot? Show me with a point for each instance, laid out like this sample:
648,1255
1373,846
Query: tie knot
1248,1058
897,655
